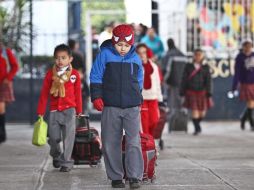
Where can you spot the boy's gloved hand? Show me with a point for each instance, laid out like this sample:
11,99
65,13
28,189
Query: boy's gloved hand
98,104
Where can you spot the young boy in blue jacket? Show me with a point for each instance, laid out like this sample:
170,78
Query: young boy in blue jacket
116,81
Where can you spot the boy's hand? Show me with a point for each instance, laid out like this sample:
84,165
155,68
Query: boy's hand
98,104
79,115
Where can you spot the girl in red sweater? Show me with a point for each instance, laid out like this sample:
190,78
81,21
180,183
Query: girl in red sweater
151,92
8,69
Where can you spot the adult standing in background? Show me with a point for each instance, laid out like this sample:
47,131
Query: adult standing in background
107,33
140,32
78,63
172,65
8,69
153,41
171,52
244,76
95,42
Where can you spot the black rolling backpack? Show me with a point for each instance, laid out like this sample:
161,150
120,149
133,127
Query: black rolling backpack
87,145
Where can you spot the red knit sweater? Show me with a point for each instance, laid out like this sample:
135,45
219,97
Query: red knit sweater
72,97
4,74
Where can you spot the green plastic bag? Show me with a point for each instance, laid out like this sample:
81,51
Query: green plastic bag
40,132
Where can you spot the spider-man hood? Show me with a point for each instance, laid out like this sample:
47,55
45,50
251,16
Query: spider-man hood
123,32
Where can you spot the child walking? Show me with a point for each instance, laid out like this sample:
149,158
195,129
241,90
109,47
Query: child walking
116,81
196,88
62,86
7,60
244,76
151,92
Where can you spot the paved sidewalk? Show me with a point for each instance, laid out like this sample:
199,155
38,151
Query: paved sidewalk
222,158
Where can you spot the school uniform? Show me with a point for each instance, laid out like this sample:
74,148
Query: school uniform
118,81
63,111
196,87
152,95
8,69
244,76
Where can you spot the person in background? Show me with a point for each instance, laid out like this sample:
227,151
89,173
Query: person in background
196,88
78,63
8,69
244,77
151,92
107,33
173,64
153,41
140,32
62,87
95,42
167,58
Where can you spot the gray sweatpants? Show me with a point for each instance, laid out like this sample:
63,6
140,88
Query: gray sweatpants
62,127
114,120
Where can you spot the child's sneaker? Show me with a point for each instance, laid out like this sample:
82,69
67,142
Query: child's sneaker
134,183
56,164
118,184
65,169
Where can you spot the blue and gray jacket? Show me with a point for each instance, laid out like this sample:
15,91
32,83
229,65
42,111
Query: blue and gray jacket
118,80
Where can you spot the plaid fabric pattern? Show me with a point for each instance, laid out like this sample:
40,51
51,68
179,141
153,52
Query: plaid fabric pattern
6,92
247,92
197,100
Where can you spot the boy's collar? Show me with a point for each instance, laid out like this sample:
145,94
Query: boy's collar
63,68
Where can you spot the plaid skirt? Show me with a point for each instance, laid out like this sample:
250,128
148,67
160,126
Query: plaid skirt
6,92
247,92
197,100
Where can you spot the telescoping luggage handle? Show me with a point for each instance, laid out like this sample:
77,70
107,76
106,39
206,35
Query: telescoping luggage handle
83,121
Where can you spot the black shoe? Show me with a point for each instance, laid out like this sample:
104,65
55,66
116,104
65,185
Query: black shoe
161,144
2,138
196,133
198,129
64,169
56,164
242,124
134,183
118,184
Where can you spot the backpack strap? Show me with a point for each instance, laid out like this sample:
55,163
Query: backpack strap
194,72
